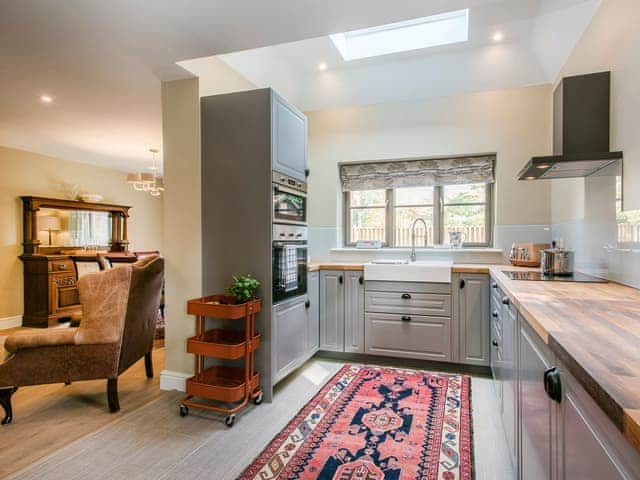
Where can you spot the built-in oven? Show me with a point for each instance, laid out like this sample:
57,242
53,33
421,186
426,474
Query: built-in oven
289,266
289,200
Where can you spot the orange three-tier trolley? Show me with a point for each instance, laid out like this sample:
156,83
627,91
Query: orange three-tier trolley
230,387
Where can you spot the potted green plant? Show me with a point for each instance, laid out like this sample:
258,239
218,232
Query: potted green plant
243,288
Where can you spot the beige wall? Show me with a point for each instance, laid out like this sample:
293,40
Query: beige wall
611,42
182,215
514,123
26,173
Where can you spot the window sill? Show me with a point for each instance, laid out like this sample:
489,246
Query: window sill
420,250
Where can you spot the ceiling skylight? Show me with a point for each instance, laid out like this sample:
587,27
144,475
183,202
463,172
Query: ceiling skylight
443,29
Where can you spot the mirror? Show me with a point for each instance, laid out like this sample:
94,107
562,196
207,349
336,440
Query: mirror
74,228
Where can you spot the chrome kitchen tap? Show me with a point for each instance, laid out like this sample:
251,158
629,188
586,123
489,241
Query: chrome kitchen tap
413,237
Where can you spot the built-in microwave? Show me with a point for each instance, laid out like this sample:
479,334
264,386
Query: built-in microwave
289,200
289,256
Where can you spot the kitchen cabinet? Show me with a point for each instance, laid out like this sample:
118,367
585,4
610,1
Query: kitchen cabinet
509,376
313,312
332,310
290,333
537,410
354,312
289,138
408,320
341,311
471,318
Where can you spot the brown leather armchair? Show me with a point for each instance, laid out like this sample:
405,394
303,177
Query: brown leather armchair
118,324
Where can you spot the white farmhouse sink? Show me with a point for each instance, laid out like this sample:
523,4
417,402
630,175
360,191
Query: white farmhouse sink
436,272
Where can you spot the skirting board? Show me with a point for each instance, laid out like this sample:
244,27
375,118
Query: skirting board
10,322
174,380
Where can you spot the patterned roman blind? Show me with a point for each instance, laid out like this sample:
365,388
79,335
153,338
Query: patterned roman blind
424,172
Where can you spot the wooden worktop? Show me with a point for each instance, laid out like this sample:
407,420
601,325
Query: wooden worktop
456,268
594,329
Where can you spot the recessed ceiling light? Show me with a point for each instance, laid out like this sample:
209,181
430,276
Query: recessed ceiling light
322,66
498,37
46,98
442,29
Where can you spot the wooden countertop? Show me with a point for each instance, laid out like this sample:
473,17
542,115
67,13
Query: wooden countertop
456,268
594,329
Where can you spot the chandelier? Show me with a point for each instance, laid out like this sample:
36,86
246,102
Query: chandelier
148,182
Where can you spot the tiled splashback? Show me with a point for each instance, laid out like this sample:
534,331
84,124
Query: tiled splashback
594,237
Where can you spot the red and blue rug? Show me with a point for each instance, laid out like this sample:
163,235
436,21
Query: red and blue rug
374,423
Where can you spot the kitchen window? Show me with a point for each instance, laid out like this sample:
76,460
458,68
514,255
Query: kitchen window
442,201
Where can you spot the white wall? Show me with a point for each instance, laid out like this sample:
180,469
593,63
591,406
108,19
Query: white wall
611,42
514,123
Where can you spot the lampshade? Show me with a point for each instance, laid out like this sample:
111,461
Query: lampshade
133,178
148,177
49,223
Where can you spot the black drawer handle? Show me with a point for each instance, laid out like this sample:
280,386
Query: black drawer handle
552,384
494,314
506,301
307,304
340,279
406,318
361,280
495,343
405,296
462,283
494,285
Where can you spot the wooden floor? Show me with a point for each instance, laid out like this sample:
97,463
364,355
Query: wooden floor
49,417
154,442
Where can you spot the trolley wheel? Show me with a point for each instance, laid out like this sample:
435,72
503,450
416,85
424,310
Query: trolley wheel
258,399
184,411
230,420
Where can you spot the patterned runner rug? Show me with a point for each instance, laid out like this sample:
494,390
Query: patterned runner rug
376,423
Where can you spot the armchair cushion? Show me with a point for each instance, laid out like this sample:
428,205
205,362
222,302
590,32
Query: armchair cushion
41,338
104,296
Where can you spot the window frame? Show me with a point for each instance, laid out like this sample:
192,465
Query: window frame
438,215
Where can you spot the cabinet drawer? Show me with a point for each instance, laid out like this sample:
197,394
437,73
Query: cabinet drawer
61,266
496,291
496,315
408,287
408,303
422,337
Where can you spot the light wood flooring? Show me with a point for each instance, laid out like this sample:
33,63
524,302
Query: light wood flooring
154,442
49,417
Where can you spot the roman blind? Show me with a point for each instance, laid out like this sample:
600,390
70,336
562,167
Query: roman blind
424,172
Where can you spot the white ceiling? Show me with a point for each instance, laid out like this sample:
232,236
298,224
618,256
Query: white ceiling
538,37
103,61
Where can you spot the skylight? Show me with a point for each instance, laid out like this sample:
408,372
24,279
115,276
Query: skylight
425,32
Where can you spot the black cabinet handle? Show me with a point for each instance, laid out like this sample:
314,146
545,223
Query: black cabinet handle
361,280
340,279
307,304
462,283
494,343
494,285
405,296
506,301
406,318
494,314
552,384
307,172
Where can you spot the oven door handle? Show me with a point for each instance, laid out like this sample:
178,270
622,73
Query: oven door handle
291,191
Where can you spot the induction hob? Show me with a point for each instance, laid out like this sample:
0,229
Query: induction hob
533,275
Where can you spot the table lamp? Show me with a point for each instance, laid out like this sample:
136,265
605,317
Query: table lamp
50,224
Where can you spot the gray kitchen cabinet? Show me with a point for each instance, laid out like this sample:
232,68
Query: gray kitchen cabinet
590,447
537,410
471,318
354,312
332,310
289,138
313,312
509,377
290,333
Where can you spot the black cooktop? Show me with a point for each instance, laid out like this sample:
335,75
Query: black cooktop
538,276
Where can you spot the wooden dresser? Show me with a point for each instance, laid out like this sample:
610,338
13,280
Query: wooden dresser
51,274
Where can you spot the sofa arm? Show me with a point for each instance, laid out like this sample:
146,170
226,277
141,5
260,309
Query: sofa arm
44,338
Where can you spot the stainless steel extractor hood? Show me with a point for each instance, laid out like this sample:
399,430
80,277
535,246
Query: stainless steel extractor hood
580,130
